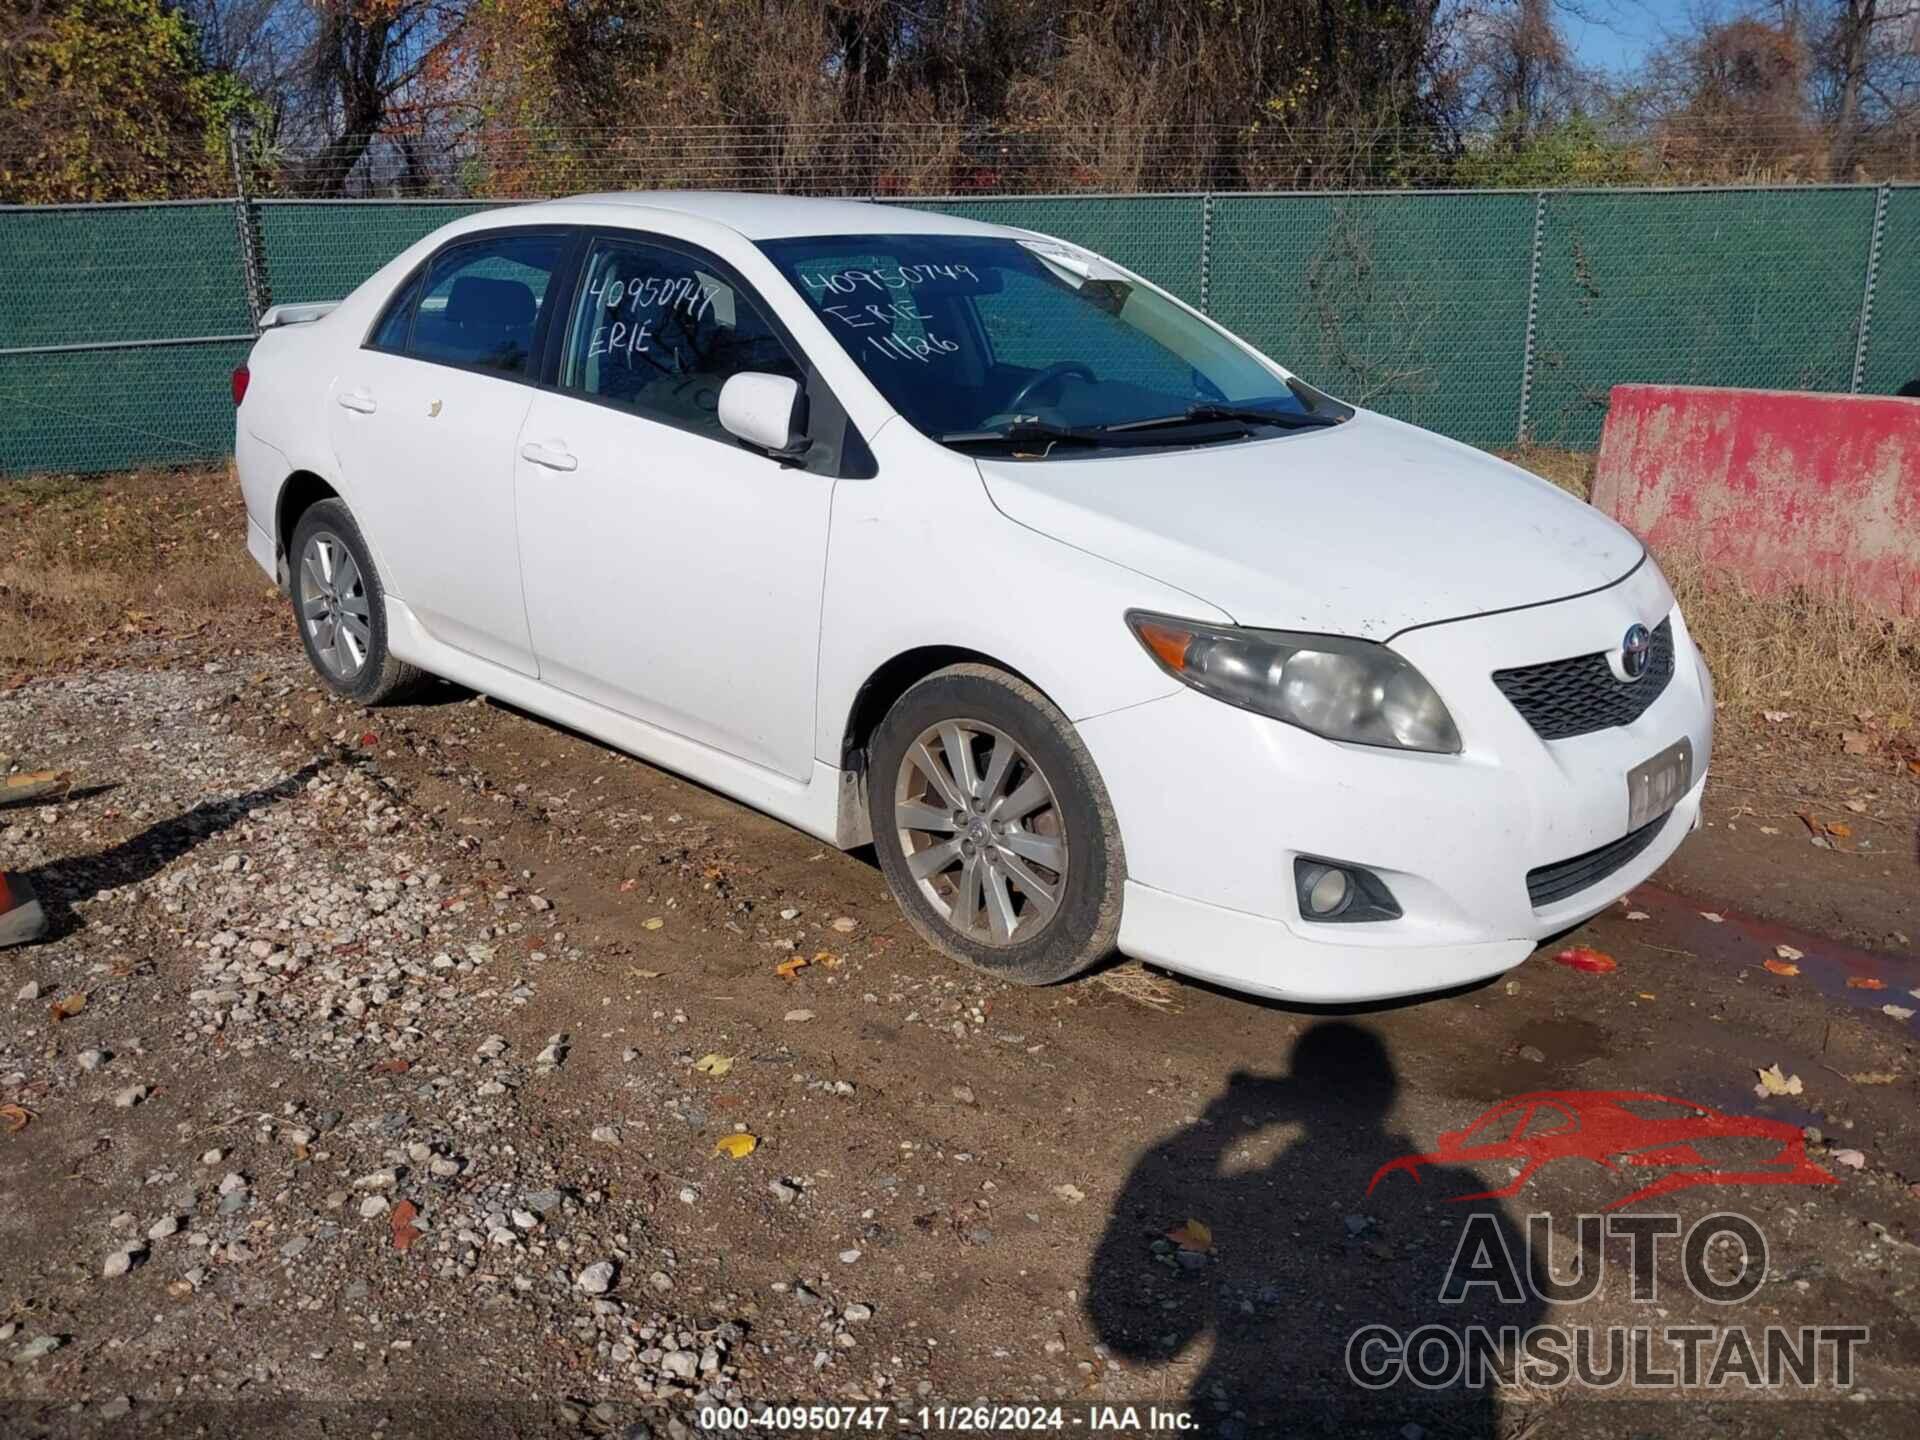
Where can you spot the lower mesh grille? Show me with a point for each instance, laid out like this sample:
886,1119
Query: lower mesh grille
1550,884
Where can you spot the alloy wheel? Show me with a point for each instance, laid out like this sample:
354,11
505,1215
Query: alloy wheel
334,605
982,831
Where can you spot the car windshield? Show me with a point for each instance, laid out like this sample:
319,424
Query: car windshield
997,343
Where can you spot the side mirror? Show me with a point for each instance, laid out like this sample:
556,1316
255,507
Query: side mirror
769,412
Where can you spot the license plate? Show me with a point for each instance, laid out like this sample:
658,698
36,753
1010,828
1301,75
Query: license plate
1655,787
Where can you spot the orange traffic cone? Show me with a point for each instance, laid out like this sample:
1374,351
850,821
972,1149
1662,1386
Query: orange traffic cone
21,916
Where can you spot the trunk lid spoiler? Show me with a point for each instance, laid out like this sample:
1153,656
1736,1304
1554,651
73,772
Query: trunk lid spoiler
278,315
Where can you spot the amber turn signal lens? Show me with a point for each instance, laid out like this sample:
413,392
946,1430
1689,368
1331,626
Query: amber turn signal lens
1168,644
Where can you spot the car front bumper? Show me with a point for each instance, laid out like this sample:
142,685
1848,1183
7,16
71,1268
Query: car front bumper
1215,803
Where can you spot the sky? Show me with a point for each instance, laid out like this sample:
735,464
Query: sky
1619,34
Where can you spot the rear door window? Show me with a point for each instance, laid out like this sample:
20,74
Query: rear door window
481,302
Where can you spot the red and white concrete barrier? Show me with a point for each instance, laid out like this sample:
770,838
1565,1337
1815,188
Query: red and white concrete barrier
1784,488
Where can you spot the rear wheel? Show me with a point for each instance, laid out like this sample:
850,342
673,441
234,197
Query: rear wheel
993,828
339,605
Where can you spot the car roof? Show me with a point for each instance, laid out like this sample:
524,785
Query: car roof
777,217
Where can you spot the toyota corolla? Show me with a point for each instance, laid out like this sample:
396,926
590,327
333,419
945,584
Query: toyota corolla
1104,629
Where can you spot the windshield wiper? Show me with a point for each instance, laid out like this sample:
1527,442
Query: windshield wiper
1095,435
1248,414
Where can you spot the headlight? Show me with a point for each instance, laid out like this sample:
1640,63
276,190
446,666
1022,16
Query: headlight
1343,689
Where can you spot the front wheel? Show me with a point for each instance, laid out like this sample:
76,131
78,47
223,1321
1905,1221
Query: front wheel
993,828
340,607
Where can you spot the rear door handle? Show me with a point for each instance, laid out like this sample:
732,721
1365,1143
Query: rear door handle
358,400
551,457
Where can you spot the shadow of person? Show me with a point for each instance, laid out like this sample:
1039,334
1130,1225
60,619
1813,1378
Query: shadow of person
62,884
1309,1282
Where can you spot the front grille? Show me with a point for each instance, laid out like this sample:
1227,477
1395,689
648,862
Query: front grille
1563,698
1550,884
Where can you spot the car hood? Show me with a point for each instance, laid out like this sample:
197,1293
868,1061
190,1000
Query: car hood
1364,529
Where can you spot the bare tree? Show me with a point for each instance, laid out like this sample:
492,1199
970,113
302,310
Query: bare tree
364,62
1515,67
1868,58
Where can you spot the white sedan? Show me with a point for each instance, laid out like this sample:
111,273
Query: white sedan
1106,631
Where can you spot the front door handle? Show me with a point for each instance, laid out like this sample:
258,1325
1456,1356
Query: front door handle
552,457
358,400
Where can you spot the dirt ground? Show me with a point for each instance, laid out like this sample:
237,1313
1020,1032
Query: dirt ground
374,1077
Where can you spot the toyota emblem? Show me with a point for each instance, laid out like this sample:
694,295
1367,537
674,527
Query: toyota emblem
1636,651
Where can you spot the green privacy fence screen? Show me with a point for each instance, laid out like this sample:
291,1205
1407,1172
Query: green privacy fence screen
1488,316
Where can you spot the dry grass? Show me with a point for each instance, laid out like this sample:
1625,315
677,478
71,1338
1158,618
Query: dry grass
1801,650
1571,470
1133,981
88,564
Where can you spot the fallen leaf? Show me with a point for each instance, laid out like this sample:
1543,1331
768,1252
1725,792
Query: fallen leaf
1898,1012
1839,829
395,1066
1852,1159
1648,995
1712,917
628,885
827,960
1865,982
791,966
1070,1193
1874,1077
369,738
1854,742
14,1118
1787,952
1769,829
798,1016
739,1145
1593,962
846,924
652,923
1638,915
714,1065
1774,1082
69,1006
1192,1236
1781,967
1858,807
405,1232
1774,717
634,972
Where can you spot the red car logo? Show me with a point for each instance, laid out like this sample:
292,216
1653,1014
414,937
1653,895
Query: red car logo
1628,1133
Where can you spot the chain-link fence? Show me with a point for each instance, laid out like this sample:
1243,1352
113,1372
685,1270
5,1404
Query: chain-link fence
1490,316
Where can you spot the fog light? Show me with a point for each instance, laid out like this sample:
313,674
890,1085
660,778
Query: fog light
1328,893
1331,890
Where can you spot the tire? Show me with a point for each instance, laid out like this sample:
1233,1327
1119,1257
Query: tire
339,607
1008,927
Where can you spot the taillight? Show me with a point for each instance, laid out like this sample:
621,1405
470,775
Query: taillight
240,378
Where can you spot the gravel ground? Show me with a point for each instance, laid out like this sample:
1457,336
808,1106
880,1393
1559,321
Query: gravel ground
377,1075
